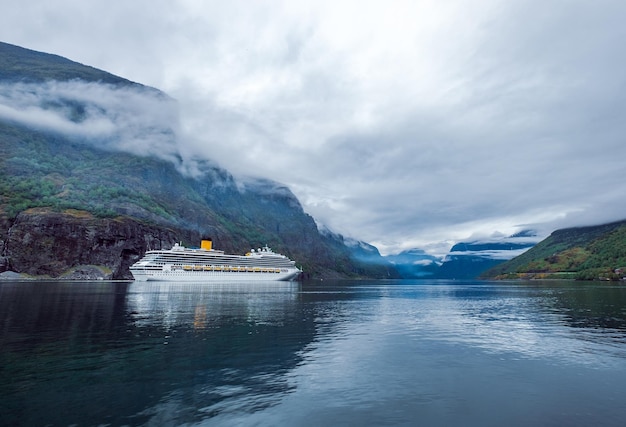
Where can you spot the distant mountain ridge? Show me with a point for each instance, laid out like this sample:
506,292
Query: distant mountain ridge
585,253
415,264
465,260
91,177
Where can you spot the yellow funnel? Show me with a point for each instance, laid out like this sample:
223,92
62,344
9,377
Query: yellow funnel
207,245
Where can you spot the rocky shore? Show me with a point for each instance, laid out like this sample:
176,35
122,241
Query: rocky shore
75,245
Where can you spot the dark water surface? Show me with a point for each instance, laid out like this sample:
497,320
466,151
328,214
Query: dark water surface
418,353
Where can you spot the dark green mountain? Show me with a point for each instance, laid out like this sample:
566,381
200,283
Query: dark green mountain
584,253
91,178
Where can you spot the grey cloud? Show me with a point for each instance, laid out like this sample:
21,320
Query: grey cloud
457,120
131,119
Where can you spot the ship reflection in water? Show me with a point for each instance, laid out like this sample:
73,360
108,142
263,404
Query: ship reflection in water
327,353
208,304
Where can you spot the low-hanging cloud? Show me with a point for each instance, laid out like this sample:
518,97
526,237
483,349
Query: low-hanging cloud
123,118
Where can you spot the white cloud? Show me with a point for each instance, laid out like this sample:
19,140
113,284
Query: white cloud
417,123
132,119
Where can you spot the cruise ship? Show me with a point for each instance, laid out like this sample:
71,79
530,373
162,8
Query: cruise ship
209,265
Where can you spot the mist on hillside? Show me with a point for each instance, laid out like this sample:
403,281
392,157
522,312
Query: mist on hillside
137,120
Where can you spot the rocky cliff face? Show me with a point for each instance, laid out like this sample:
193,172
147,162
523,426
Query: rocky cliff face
75,244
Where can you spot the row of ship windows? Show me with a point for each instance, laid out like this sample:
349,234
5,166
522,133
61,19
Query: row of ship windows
189,260
214,256
225,268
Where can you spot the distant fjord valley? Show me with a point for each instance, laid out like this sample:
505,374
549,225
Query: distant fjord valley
91,178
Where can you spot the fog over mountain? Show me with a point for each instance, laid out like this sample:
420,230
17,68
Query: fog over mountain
133,119
417,124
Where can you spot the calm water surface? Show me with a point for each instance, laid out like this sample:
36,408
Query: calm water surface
418,353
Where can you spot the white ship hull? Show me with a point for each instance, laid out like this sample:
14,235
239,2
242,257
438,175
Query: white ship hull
208,265
213,276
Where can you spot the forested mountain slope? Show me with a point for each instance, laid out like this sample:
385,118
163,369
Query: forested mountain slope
586,253
91,177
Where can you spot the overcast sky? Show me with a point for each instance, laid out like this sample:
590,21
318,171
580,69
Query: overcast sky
401,123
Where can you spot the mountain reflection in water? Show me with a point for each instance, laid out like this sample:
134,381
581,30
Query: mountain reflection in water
124,353
321,353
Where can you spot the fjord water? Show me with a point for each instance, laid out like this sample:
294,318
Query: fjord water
308,354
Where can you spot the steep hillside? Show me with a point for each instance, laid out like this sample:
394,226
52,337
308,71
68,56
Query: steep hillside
91,177
585,253
367,259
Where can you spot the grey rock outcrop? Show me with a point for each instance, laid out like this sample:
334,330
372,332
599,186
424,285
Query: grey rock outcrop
78,245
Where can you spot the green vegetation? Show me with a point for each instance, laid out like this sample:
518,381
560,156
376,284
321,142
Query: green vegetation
586,253
40,169
19,64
